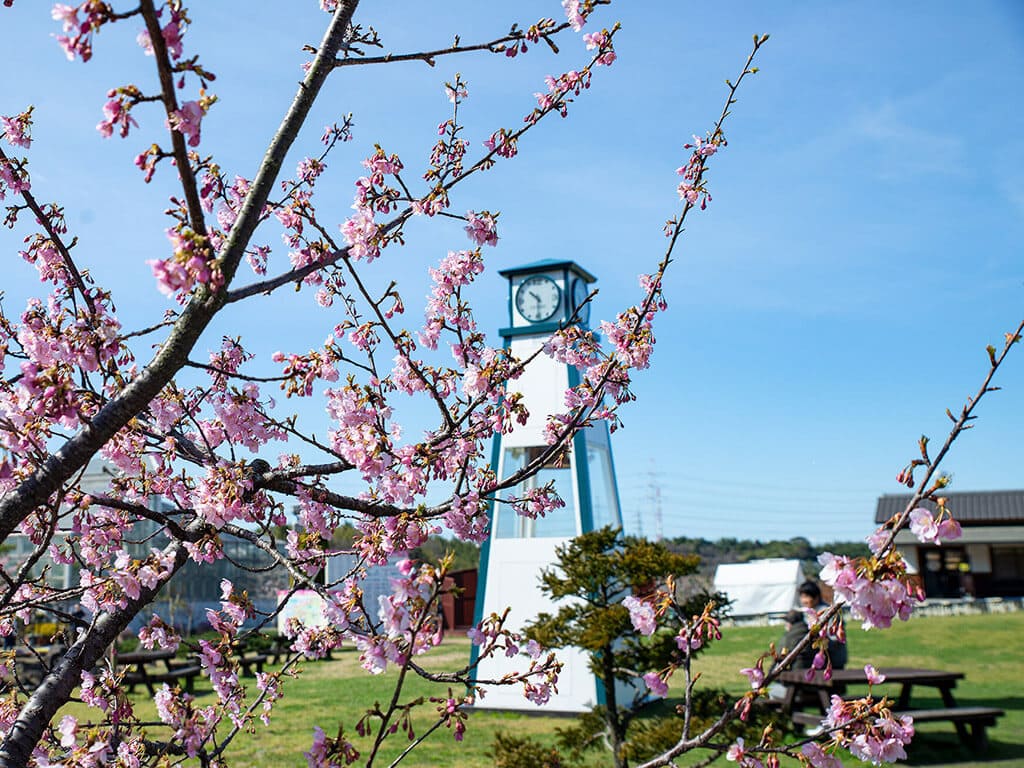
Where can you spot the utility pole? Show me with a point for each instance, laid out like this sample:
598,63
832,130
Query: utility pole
659,533
654,504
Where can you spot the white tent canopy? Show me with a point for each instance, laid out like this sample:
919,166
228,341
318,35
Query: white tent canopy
760,587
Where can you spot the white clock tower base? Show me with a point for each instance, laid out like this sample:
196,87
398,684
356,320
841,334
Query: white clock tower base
542,298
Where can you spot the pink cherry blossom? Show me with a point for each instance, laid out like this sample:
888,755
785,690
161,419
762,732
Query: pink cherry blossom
502,143
456,93
930,530
191,726
77,40
360,233
66,14
595,39
117,114
602,41
871,733
755,674
482,228
17,129
316,757
157,634
573,12
877,539
539,694
68,730
641,614
819,758
949,529
873,676
468,518
171,33
877,601
536,502
13,177
737,753
656,684
186,120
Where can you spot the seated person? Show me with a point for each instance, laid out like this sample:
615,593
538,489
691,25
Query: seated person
795,631
810,600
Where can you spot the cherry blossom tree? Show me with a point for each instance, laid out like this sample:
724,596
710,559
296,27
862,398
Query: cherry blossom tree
187,416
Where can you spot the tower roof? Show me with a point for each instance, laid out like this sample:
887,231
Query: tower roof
547,264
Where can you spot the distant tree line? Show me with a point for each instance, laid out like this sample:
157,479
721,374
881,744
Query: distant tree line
731,550
712,553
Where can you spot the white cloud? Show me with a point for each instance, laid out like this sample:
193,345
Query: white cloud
901,148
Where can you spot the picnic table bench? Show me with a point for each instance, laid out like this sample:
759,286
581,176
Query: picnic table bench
150,668
278,648
819,690
259,649
251,663
27,665
143,667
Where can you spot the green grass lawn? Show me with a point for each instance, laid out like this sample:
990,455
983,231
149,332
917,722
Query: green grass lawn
986,648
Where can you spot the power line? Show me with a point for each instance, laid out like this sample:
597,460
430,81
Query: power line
675,479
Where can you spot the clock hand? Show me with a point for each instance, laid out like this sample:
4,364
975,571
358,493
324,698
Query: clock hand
535,297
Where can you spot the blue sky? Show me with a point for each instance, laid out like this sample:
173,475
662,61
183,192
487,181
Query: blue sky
862,248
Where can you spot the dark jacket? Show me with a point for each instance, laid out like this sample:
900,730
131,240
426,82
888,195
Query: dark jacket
836,650
788,642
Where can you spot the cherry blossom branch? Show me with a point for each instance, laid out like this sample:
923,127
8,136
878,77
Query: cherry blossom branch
300,576
307,470
288,425
66,674
233,374
485,162
25,568
170,102
146,331
383,321
257,702
77,451
925,489
174,528
498,45
58,242
297,274
292,187
419,740
340,501
45,603
396,693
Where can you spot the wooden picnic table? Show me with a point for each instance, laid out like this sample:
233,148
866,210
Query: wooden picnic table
820,691
251,663
31,663
143,667
273,652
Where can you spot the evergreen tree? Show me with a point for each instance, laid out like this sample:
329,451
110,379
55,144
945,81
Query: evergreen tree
593,574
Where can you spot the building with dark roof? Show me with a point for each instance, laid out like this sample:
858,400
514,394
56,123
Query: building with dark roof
987,561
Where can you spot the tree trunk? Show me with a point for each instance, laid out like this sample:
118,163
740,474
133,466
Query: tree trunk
613,719
56,688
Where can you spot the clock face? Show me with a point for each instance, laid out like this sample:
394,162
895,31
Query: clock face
538,298
579,295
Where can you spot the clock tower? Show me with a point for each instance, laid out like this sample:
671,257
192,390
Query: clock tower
543,297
